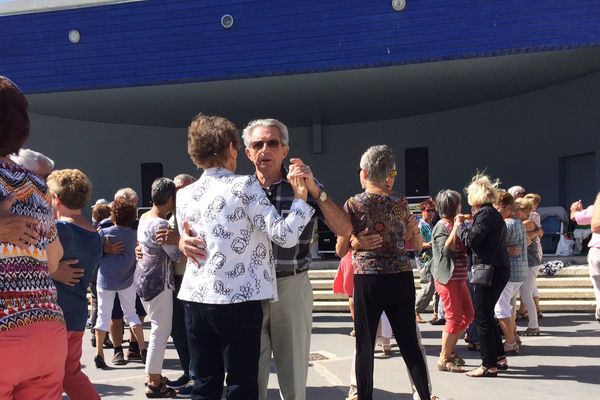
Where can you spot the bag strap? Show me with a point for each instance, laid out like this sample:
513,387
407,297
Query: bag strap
500,241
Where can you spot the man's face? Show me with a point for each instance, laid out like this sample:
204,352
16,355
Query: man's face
266,150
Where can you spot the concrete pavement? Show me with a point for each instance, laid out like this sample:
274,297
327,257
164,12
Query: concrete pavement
562,363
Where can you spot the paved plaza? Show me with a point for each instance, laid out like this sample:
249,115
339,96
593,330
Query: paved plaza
563,363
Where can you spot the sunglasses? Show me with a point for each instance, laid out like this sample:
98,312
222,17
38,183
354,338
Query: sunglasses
259,144
429,210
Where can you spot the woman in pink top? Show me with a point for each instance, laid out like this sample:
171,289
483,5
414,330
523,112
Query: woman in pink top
591,215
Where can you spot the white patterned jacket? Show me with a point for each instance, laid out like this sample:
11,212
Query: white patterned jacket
238,222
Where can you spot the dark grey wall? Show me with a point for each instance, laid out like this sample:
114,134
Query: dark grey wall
519,140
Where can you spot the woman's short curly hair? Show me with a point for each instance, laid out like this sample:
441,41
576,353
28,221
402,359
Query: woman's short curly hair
482,190
71,186
505,199
14,120
209,138
123,213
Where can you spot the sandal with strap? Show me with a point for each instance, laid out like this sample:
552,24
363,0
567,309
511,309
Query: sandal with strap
531,332
458,360
512,348
502,364
482,372
450,365
160,392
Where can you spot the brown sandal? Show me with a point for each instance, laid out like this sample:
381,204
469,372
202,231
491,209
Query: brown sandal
485,373
450,365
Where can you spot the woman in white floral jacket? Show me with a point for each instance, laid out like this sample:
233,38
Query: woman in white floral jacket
223,294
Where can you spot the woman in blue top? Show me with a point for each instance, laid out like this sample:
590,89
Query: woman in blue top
70,190
115,275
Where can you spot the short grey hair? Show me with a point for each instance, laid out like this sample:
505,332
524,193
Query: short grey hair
266,122
378,161
127,194
447,202
163,190
36,162
182,180
516,190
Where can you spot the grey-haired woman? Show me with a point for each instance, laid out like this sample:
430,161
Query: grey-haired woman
383,279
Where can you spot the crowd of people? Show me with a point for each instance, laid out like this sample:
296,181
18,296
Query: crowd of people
220,264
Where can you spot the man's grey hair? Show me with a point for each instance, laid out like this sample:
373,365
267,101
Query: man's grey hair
182,180
516,190
378,161
36,162
267,122
163,190
447,202
127,194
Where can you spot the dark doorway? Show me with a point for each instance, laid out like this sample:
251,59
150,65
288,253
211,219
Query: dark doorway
577,179
416,171
150,171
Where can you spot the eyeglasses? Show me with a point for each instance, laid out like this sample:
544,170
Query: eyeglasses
259,144
429,209
393,173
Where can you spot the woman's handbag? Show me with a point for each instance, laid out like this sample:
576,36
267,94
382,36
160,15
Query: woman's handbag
483,274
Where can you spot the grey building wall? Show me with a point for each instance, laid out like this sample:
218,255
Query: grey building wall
519,140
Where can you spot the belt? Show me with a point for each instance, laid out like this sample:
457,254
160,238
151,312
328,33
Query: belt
283,274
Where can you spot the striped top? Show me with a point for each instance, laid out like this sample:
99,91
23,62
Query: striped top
27,293
461,263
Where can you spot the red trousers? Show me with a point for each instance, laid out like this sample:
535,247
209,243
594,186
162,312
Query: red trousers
32,362
458,307
76,384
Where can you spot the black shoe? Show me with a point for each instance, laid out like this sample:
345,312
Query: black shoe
107,343
93,340
439,321
99,361
144,354
179,382
119,357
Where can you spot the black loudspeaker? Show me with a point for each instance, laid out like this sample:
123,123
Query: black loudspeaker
150,171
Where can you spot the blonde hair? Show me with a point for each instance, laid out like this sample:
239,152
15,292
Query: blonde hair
535,198
482,190
524,204
71,186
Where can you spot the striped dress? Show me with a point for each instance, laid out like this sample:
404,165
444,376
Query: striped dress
27,293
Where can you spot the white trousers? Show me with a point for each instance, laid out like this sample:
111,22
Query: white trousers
526,293
504,308
594,265
106,299
286,331
160,315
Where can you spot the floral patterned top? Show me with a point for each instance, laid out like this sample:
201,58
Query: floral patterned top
237,221
388,216
27,293
154,271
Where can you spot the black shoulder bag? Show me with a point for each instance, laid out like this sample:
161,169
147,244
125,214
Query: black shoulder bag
483,274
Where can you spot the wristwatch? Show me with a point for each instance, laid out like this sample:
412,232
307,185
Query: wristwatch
323,196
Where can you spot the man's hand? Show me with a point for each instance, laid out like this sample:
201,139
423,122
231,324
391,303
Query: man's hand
167,236
514,251
366,241
16,229
300,170
113,248
67,274
193,248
